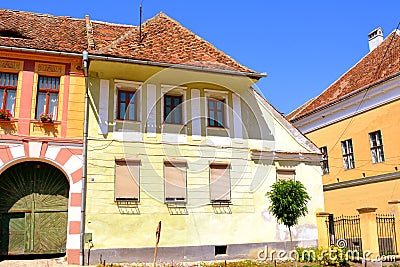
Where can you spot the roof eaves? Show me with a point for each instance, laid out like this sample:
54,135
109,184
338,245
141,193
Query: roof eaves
256,75
367,87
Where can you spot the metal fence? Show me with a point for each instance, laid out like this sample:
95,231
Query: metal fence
386,234
347,229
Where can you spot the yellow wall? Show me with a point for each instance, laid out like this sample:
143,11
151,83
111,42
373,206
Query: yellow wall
249,221
384,118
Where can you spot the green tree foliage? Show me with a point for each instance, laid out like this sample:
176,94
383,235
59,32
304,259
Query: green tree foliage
288,202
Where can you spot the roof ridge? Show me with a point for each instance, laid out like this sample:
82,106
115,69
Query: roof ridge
41,14
131,31
162,14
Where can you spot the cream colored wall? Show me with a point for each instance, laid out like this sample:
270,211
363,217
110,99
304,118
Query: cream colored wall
249,221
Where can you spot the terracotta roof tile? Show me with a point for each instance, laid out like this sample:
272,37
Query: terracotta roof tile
163,40
41,31
377,65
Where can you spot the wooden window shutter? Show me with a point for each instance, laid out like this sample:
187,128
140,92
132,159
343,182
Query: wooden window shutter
283,174
127,180
175,181
220,185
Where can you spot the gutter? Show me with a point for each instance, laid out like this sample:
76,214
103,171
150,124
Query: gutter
179,66
343,98
257,75
85,59
39,51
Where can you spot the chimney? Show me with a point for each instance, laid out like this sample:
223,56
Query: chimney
375,38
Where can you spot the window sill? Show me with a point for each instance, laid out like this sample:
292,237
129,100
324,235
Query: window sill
45,122
127,121
174,124
217,127
8,120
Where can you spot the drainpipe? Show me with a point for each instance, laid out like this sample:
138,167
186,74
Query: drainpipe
85,58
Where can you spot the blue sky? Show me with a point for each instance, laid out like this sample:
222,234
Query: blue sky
303,46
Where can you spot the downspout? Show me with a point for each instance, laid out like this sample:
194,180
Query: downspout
85,58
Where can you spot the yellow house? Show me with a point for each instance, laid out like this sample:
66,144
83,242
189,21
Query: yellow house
178,135
42,91
355,124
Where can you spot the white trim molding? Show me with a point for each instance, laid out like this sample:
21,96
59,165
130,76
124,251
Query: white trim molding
369,99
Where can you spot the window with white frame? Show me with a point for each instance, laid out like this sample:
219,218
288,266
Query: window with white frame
8,91
376,146
324,161
216,112
348,154
173,111
127,105
217,108
48,88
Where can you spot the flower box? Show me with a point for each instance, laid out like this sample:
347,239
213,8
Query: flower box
5,115
46,117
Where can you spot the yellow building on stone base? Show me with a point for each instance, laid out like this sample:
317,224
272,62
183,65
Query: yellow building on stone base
355,122
177,134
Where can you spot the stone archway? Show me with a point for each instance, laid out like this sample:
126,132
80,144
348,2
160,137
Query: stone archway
33,209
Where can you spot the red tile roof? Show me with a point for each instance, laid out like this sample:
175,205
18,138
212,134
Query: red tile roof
163,40
376,66
40,31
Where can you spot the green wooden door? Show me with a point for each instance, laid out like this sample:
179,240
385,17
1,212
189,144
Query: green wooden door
12,234
33,209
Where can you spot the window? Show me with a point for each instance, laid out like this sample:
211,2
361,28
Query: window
285,174
348,156
173,109
324,161
47,96
127,180
8,91
216,112
375,140
175,181
127,105
220,185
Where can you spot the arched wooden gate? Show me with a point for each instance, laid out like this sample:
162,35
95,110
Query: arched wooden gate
33,209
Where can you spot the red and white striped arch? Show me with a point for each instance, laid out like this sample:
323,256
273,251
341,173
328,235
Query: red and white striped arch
67,158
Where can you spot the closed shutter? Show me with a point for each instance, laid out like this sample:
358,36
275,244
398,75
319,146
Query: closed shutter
220,186
127,180
175,181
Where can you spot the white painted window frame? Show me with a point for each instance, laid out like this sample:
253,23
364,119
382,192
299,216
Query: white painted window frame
209,93
174,90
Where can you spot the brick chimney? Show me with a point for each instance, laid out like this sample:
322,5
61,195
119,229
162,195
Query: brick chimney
375,38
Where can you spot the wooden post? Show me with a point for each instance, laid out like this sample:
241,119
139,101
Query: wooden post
158,233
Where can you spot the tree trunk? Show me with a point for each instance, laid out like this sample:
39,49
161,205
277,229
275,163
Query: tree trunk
291,246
